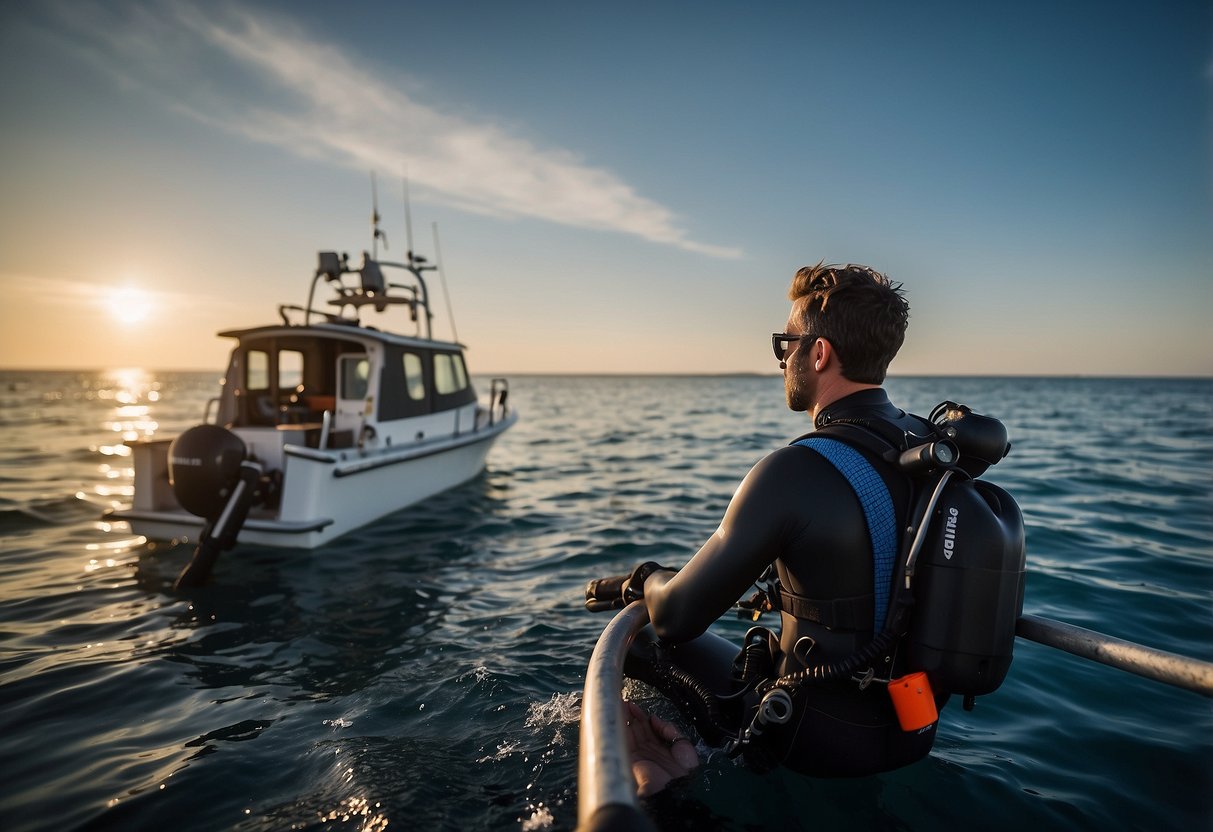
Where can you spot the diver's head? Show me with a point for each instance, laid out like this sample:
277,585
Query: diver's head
859,311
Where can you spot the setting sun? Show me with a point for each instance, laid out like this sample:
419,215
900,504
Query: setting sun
129,305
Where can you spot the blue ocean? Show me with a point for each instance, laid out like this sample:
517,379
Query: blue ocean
425,672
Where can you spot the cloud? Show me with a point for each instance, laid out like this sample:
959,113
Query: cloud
265,78
26,289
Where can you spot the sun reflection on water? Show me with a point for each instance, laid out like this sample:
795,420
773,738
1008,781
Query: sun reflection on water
352,808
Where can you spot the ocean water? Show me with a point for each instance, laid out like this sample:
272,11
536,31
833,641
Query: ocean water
425,671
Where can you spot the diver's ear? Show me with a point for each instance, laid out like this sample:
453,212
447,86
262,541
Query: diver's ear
823,354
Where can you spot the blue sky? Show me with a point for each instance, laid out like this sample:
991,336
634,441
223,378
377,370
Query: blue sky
619,187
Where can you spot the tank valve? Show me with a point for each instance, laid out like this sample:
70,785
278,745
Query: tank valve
924,458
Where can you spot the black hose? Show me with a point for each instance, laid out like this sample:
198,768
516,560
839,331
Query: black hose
756,661
841,669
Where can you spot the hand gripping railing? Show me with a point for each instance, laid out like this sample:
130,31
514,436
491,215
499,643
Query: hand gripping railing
606,792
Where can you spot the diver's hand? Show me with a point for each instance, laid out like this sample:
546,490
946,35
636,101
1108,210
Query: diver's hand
617,591
606,593
660,753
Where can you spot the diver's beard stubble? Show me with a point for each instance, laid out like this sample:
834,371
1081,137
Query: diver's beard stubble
797,396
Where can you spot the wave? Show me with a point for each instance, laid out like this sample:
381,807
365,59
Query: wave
50,511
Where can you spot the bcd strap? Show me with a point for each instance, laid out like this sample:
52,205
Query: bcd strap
877,505
834,613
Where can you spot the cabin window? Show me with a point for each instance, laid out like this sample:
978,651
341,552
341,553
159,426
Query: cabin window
449,375
405,388
414,376
257,370
290,369
354,373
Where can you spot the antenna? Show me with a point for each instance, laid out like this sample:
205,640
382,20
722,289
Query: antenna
408,214
377,233
445,292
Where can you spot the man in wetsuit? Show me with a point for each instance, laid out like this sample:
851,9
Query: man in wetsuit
797,511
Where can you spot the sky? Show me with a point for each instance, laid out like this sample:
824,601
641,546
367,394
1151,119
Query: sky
617,187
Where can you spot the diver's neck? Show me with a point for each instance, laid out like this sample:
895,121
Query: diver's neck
834,389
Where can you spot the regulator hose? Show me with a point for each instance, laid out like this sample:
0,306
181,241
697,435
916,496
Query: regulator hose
843,668
702,703
756,661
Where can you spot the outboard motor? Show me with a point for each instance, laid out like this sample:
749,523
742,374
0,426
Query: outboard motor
203,466
212,478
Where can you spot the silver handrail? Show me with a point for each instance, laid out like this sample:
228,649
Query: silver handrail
1170,668
604,769
326,427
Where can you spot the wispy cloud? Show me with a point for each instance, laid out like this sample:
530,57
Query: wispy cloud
267,79
25,289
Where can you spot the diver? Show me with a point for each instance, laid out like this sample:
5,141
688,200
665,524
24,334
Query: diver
794,513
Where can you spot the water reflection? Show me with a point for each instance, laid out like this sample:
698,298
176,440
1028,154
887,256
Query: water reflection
131,417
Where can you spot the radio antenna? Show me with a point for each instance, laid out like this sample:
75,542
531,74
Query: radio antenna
408,215
377,233
445,292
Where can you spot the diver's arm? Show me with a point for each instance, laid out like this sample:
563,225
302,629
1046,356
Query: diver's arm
764,512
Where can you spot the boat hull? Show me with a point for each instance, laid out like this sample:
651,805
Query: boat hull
327,494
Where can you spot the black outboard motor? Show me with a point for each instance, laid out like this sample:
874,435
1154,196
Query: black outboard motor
212,478
203,466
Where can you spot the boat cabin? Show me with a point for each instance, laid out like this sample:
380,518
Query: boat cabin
324,388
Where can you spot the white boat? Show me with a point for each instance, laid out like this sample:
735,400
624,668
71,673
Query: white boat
324,423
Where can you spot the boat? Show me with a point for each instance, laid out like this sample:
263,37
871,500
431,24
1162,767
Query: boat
324,422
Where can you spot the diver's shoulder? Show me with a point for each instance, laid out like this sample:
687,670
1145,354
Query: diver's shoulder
793,461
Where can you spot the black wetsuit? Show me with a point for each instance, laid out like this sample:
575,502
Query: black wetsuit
795,509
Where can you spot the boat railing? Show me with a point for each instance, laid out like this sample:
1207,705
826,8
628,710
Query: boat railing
308,312
1169,668
499,394
607,794
326,429
206,411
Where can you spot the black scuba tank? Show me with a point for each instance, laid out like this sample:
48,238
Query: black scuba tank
968,589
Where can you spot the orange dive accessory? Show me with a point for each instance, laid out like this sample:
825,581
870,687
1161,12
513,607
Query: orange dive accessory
913,701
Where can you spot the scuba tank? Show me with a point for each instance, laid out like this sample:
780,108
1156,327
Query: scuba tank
968,583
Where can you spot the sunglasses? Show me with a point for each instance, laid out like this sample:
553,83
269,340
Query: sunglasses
781,342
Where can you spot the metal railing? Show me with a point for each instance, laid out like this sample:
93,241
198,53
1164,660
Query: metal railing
1159,665
499,393
606,796
606,793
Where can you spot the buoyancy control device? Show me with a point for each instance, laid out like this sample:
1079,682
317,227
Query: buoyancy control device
955,585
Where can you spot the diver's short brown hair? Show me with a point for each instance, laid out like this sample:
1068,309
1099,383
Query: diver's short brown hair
859,311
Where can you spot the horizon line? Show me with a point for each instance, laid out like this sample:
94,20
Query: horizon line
635,374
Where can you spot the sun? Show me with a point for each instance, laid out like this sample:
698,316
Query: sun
129,305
